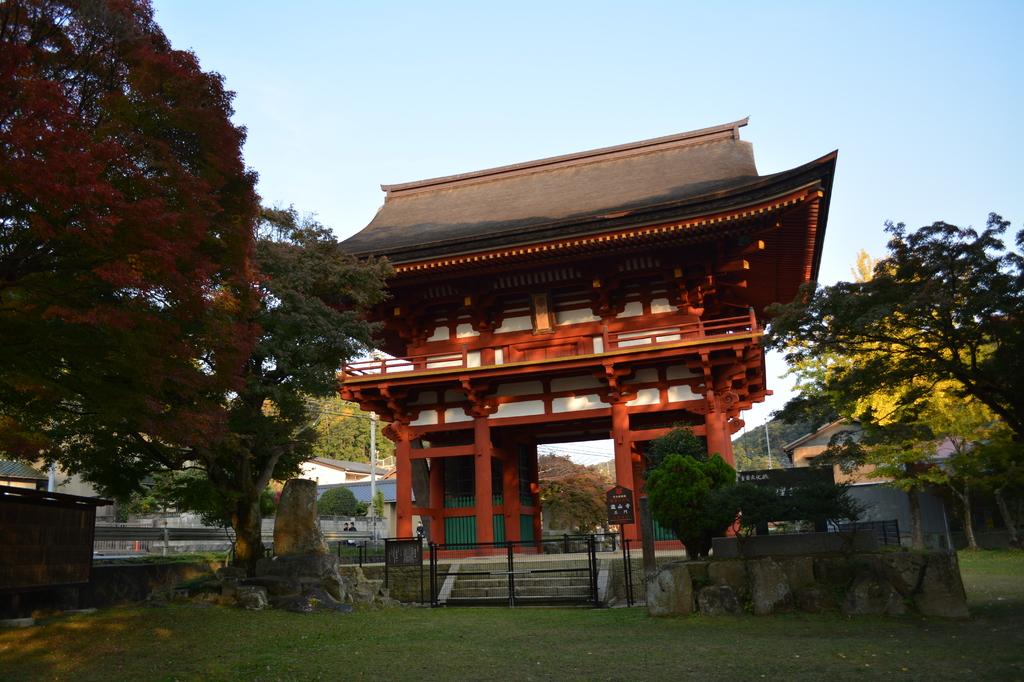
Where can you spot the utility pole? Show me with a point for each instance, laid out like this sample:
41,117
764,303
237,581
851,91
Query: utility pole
768,444
373,474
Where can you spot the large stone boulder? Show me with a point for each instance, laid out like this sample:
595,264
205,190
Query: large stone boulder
718,600
730,572
363,590
769,587
814,599
670,591
297,525
904,570
941,591
872,595
252,597
289,573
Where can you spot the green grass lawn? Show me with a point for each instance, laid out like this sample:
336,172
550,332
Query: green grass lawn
190,642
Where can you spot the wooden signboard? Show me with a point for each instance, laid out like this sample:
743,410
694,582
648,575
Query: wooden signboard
45,539
403,552
620,505
787,479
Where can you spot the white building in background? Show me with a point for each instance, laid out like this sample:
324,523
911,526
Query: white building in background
327,471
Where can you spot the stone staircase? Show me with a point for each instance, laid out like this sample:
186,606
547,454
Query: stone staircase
535,582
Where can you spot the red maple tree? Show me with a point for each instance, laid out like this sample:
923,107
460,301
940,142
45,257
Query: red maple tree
126,230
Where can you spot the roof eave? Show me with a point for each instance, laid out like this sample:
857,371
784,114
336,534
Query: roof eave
821,169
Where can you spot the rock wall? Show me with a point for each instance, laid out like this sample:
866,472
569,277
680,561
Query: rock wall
864,583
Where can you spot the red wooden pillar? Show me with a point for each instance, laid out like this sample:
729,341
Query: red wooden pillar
510,493
403,485
483,451
437,500
716,425
624,459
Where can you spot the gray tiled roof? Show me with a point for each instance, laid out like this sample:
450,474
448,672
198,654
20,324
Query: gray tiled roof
361,489
13,469
348,465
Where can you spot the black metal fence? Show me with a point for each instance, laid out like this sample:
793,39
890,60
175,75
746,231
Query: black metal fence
358,552
886,532
515,573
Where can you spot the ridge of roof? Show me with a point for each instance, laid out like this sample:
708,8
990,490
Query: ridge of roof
789,447
723,131
346,464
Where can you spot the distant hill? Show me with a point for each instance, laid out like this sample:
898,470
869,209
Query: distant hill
749,449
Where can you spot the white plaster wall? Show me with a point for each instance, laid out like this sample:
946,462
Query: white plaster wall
440,334
526,408
632,309
445,361
465,330
321,474
646,396
426,418
456,414
661,305
515,324
575,316
577,403
680,393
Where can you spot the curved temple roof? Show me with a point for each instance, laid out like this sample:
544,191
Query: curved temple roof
571,195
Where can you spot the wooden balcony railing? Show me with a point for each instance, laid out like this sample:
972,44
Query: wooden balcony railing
568,347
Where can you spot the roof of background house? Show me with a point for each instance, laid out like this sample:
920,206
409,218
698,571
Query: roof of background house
789,447
14,469
704,170
361,489
347,465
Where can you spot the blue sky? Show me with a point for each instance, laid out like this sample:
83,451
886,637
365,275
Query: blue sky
338,97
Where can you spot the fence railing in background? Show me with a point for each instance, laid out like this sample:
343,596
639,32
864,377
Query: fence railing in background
886,532
359,552
123,538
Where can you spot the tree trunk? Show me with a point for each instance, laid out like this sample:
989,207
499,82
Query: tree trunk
248,525
916,523
965,500
1008,520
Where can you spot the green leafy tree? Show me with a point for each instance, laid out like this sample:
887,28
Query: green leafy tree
945,304
378,504
311,295
572,495
338,502
818,502
343,432
996,465
685,496
679,441
750,449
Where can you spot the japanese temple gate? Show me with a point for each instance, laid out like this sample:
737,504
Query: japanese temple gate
607,293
